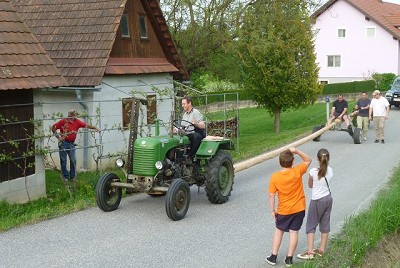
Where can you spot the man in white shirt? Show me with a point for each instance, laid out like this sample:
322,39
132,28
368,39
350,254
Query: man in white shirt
196,130
379,109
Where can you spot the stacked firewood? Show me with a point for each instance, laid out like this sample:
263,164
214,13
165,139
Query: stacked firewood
216,128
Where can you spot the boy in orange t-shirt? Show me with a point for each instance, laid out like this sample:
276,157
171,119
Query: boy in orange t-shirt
287,184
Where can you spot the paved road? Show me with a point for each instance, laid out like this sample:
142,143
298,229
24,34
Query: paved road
235,234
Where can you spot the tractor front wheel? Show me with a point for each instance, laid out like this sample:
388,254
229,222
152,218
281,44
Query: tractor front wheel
177,199
108,197
219,178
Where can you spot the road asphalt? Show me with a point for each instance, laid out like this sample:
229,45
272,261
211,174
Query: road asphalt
235,234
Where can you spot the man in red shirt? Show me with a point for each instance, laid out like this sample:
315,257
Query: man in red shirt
68,128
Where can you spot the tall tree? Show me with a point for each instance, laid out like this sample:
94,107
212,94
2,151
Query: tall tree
275,45
200,27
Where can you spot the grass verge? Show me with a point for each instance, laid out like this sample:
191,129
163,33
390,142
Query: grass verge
362,233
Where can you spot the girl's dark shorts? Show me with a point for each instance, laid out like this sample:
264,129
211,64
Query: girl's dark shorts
290,222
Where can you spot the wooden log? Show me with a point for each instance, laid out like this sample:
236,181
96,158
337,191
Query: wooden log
261,158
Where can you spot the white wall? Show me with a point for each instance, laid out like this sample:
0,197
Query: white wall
105,111
116,88
55,105
360,55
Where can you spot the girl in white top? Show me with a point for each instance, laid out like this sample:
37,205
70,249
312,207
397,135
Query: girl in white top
319,210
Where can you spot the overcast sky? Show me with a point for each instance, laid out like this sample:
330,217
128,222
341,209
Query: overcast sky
390,1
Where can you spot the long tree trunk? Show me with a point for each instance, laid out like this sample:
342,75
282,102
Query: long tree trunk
277,119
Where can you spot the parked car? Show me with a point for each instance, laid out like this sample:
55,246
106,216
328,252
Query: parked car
393,94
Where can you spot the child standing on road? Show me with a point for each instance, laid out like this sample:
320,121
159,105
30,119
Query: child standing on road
288,217
319,210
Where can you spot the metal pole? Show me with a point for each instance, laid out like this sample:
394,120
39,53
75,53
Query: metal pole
327,108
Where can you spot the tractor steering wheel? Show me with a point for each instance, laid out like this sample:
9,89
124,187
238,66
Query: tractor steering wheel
182,129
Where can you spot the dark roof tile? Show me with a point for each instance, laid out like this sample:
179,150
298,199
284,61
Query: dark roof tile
91,38
139,65
23,62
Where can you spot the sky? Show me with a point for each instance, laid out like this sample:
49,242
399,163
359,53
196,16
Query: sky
390,1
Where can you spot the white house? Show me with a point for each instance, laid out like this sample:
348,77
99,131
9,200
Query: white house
356,38
93,56
108,51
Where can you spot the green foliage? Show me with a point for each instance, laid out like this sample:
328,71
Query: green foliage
200,28
383,81
278,61
349,87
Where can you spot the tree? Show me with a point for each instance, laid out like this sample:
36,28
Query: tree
276,49
200,28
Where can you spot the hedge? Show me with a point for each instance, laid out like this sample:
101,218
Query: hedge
328,89
349,87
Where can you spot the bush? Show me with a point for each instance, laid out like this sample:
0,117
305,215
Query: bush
383,81
349,87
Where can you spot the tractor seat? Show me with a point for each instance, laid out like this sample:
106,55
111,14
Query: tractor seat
213,138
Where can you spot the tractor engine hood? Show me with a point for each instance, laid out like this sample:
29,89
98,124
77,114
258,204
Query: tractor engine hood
149,150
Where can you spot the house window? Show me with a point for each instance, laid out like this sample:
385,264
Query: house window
370,32
323,82
143,27
127,108
334,61
126,112
341,33
151,109
124,26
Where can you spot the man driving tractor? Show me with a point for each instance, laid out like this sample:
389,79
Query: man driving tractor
195,130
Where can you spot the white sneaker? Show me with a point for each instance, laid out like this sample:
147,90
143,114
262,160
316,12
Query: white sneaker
365,138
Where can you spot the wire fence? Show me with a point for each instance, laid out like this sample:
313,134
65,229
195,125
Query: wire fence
95,150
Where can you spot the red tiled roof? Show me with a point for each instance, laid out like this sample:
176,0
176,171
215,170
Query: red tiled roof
387,15
77,34
23,62
139,66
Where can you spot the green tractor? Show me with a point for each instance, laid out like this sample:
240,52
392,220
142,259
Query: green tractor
159,166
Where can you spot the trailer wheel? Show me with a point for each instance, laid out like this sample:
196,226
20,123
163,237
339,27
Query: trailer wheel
177,200
108,197
315,129
357,135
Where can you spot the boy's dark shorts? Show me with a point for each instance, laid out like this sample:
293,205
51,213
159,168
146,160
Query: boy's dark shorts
290,222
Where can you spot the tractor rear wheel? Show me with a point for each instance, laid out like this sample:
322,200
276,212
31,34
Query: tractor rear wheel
108,197
219,177
177,200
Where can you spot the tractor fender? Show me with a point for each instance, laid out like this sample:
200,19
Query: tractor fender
210,146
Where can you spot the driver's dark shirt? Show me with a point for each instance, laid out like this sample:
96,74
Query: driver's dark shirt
340,105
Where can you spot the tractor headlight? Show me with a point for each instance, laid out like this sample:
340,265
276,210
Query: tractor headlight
159,165
120,162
